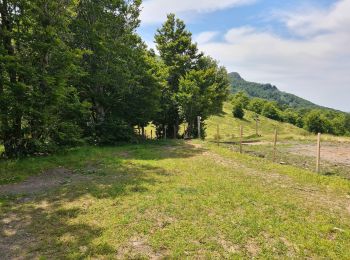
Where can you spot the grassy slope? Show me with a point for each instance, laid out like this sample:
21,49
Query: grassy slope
178,200
229,128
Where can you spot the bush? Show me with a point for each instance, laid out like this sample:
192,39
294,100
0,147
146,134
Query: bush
238,111
256,105
316,122
112,131
242,98
271,111
290,116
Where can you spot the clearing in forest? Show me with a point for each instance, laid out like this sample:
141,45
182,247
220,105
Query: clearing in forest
170,199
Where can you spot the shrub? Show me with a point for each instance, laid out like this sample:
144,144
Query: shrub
316,122
238,111
256,105
271,111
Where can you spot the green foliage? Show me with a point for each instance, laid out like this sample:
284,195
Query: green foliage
338,124
241,98
180,55
73,71
290,116
76,71
267,100
238,111
268,92
201,93
196,85
270,110
256,105
347,123
316,122
37,70
121,77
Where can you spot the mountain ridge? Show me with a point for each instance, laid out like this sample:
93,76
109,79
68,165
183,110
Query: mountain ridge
269,92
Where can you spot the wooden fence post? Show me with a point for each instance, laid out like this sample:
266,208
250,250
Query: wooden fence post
165,127
199,126
275,146
241,139
318,158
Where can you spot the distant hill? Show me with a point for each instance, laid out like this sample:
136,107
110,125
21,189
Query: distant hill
269,92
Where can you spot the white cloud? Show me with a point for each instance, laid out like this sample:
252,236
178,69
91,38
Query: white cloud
205,37
316,66
155,11
319,21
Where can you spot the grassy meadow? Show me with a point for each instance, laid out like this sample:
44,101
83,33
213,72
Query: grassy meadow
172,200
229,128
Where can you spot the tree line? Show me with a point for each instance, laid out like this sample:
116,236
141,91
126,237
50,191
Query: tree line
75,72
315,120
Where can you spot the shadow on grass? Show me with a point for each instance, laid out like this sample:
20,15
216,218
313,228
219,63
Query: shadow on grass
14,171
42,225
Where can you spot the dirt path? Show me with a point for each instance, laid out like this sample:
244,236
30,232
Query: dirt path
43,182
335,153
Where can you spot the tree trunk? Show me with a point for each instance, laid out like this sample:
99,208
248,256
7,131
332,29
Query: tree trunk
100,113
143,132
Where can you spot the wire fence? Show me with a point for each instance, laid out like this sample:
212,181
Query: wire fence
327,158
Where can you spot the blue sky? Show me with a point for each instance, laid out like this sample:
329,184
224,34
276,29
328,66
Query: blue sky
301,46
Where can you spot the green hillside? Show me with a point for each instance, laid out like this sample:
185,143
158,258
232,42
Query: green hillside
268,91
229,126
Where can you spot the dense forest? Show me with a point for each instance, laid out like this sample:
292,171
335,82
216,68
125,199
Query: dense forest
74,72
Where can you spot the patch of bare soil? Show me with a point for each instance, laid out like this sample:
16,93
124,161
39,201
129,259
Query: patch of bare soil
196,146
257,143
45,181
253,248
14,237
138,248
334,153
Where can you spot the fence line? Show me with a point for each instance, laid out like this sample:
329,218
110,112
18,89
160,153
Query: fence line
274,145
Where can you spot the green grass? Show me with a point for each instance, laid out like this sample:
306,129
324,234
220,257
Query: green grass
288,137
175,200
230,127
